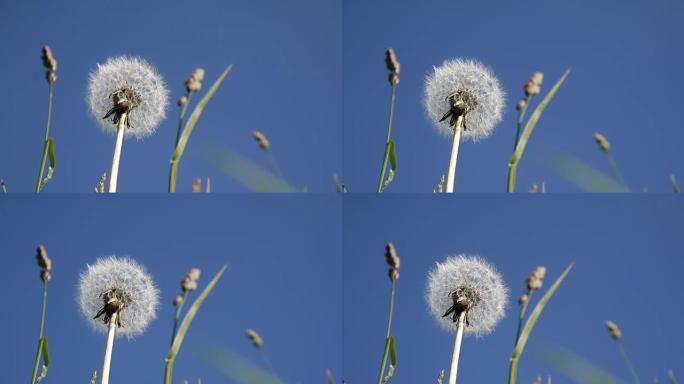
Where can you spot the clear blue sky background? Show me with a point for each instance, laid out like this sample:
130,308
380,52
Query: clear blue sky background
627,253
626,59
283,279
286,82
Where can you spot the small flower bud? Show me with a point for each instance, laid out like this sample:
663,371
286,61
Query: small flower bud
192,85
261,140
521,105
533,283
178,300
197,186
198,74
391,61
194,274
539,272
537,78
538,380
391,256
524,298
51,77
531,88
45,276
393,274
534,188
614,330
49,61
42,258
255,338
393,79
188,285
183,101
602,142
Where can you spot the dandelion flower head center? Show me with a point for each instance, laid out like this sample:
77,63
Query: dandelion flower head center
114,302
460,103
124,100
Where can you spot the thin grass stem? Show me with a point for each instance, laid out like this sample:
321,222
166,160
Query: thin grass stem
267,361
616,171
180,118
385,157
177,316
632,370
385,353
36,364
274,165
43,159
523,309
453,371
451,172
108,348
116,156
521,117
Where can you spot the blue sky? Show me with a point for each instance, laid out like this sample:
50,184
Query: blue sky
625,58
627,255
283,279
286,82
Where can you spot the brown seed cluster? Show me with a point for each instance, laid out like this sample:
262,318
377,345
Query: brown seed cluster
602,142
393,261
50,65
254,337
535,279
44,263
188,284
393,66
261,140
614,330
192,84
532,87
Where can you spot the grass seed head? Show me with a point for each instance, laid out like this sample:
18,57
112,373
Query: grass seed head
42,258
521,105
254,337
261,140
602,142
614,331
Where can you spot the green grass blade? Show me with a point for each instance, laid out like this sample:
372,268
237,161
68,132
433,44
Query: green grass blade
236,367
440,377
531,322
671,377
573,366
187,320
675,186
393,359
93,378
46,359
393,156
329,376
576,171
529,128
190,125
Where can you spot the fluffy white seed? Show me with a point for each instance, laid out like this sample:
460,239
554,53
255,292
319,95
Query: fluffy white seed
475,273
136,74
475,78
127,275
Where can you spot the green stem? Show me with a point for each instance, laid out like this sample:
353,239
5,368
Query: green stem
523,309
387,142
45,144
274,165
453,371
387,336
451,171
521,117
617,172
116,155
177,316
267,361
106,364
180,118
40,335
512,172
628,362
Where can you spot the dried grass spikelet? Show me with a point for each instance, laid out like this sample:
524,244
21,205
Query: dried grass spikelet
194,81
537,78
178,300
521,105
197,186
261,140
534,188
524,298
393,66
536,278
189,282
50,65
183,101
602,142
393,261
254,337
42,258
194,274
615,332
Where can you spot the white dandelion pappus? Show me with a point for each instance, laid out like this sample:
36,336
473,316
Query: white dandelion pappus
473,78
142,80
472,272
130,278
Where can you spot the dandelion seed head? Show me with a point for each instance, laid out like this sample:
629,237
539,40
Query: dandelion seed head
130,278
474,79
139,80
475,275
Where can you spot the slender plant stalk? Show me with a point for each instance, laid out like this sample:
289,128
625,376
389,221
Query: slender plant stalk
671,377
521,117
632,370
177,315
381,181
457,348
274,165
108,349
40,337
180,118
527,132
114,172
381,375
43,159
451,172
267,361
523,309
617,172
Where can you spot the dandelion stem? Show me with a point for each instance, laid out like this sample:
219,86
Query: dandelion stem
451,172
180,118
45,144
177,316
108,349
523,309
457,348
628,362
521,117
387,336
381,181
114,173
617,172
40,335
